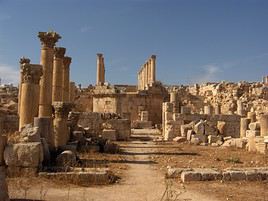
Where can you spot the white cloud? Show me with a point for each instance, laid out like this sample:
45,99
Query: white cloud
208,73
8,74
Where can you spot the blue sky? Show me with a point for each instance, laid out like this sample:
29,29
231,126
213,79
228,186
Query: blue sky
194,40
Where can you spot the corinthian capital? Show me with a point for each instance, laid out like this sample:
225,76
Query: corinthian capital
48,39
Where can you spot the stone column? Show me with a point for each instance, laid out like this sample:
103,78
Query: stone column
240,108
31,75
99,80
153,68
23,60
207,110
264,125
252,116
144,116
173,97
57,88
217,109
102,70
61,132
48,40
66,79
244,122
72,92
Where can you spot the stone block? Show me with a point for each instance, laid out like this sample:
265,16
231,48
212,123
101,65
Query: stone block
66,159
202,138
195,140
109,134
261,147
214,139
179,139
30,134
187,176
176,172
24,154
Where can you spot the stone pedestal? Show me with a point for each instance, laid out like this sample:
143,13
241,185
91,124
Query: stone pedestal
244,122
66,79
48,40
61,132
31,75
264,125
45,126
57,80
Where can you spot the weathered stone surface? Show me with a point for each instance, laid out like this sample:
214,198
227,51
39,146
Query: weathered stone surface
254,126
191,176
66,158
195,140
214,139
199,128
30,134
24,154
3,185
109,134
179,139
252,133
3,141
176,172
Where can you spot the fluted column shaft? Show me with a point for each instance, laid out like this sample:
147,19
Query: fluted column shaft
57,80
48,40
66,79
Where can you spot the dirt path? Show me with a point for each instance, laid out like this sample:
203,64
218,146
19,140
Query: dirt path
143,181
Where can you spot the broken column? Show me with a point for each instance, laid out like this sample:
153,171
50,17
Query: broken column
66,79
57,88
244,122
252,116
72,92
23,60
240,108
153,63
100,70
217,109
31,74
61,133
48,40
264,124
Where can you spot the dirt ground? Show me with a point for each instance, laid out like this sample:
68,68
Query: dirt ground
142,165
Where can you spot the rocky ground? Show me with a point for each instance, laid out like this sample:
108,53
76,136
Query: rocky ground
142,165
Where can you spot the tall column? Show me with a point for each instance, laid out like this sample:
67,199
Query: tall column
66,79
207,110
23,60
99,80
57,88
48,40
153,68
240,108
244,122
102,70
61,134
31,75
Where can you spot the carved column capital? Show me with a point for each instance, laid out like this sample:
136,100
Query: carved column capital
24,60
67,61
31,73
59,52
48,39
62,109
